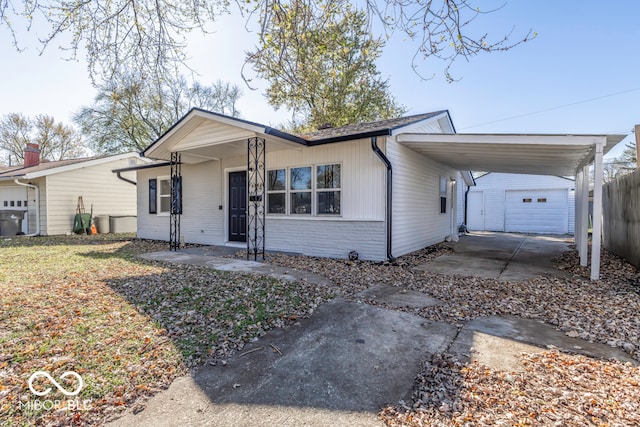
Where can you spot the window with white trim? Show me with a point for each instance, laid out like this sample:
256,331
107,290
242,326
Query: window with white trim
443,194
300,190
328,189
164,195
277,191
305,190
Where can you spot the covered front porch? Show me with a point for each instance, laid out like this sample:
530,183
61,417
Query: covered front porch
197,139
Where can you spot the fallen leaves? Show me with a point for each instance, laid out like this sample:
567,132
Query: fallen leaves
127,326
556,389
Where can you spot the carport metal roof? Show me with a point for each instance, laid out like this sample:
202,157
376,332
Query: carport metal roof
562,155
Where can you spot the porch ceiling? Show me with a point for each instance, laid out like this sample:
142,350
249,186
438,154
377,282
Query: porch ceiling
561,155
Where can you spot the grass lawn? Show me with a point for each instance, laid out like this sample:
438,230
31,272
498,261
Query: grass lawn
128,327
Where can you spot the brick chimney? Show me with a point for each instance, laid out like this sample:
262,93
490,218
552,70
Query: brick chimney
31,155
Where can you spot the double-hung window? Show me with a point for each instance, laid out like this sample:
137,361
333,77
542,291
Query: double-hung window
443,194
277,191
328,189
162,188
300,190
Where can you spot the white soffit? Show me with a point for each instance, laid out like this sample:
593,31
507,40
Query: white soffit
558,155
200,137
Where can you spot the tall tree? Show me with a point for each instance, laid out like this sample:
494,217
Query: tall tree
130,113
327,75
57,141
150,35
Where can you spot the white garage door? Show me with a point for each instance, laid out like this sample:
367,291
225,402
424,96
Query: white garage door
537,211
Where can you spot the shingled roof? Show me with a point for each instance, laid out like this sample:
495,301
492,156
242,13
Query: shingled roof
20,171
364,128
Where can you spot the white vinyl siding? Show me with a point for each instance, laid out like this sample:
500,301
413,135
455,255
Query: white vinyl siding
98,186
417,221
362,175
202,194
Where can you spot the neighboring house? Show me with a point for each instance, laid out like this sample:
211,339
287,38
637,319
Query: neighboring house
47,192
326,193
520,203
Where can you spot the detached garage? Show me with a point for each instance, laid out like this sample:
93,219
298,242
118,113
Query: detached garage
518,203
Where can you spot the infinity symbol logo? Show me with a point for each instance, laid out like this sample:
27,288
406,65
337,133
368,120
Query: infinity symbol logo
55,383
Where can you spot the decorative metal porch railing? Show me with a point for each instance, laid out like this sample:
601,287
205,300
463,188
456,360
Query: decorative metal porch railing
256,197
176,201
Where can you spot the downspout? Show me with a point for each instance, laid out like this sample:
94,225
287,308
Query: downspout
118,174
389,206
466,202
37,192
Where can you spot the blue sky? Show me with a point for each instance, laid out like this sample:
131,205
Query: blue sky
584,50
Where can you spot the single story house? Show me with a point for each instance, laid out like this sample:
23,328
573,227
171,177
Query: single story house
519,203
380,189
46,192
327,193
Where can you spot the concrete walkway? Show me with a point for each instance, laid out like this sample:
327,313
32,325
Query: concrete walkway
349,359
502,256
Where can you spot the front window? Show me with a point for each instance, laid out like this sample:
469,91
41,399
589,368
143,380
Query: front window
328,189
277,191
300,179
306,190
164,195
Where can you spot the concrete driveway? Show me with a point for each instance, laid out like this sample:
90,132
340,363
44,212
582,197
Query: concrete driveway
503,256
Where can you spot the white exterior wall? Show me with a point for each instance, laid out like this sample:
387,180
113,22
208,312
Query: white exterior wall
153,226
97,185
495,185
417,221
360,226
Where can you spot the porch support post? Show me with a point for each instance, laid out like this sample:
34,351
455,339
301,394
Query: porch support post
596,234
176,201
584,217
256,189
454,208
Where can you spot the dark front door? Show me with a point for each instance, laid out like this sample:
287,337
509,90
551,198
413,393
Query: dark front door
238,206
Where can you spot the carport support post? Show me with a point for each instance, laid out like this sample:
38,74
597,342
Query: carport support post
578,193
583,247
596,234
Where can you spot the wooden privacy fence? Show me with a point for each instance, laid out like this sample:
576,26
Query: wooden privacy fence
621,217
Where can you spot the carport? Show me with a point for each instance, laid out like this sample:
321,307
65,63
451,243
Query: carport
537,154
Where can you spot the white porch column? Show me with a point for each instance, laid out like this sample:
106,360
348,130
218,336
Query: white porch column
454,208
584,217
596,235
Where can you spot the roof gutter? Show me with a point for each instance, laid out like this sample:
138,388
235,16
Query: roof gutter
37,192
389,206
119,175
